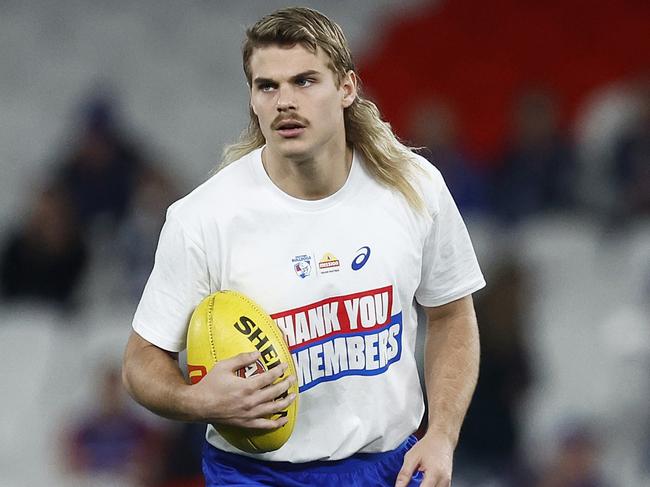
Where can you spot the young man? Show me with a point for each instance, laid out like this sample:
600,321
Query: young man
319,214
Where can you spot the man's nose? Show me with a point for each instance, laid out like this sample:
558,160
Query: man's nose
286,99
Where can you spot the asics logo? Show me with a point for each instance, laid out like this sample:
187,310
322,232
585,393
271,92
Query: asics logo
361,258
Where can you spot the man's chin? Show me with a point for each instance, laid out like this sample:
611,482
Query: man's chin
292,149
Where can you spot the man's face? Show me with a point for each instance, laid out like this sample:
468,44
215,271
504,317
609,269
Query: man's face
297,101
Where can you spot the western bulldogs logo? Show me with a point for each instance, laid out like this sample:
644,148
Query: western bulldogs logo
302,265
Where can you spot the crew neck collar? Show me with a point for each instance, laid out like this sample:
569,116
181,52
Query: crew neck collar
348,188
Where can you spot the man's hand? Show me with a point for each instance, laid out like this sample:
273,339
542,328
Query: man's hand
153,378
432,455
222,397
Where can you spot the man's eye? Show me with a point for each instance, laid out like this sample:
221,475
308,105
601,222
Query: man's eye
303,82
265,87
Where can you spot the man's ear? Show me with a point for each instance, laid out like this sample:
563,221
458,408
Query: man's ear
349,84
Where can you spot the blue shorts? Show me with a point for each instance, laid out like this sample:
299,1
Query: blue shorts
361,470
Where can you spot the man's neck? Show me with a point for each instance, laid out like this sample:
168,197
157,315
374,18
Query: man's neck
309,178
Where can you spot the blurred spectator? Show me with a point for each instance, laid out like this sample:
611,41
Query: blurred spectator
538,171
101,169
600,121
113,443
576,461
632,163
433,125
489,441
182,466
139,232
45,259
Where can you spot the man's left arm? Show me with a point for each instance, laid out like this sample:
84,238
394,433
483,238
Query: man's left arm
451,371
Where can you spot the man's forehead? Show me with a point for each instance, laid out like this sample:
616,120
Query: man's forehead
276,61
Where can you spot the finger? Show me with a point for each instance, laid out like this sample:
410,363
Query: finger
443,481
239,361
259,381
274,391
430,480
270,408
260,423
435,478
406,473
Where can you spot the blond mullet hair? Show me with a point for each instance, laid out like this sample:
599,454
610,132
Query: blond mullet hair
387,159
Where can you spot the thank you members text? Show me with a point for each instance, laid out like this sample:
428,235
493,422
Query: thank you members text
355,334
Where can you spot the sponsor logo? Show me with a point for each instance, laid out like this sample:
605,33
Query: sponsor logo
355,334
251,370
247,327
302,265
196,372
329,263
269,356
361,258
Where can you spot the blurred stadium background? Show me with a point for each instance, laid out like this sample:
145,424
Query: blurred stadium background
537,114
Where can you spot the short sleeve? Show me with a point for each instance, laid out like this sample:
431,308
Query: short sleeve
450,269
178,282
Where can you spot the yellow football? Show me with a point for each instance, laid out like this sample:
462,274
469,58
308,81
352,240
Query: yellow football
226,324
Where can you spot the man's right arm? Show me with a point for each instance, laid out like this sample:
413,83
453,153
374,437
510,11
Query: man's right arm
153,378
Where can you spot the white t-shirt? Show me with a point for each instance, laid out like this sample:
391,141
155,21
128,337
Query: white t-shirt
339,275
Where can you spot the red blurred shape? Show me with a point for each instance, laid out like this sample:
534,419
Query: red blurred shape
479,55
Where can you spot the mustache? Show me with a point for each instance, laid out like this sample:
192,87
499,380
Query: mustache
283,118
